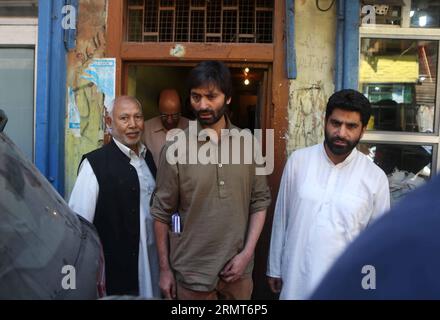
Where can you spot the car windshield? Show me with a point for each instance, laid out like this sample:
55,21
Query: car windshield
33,217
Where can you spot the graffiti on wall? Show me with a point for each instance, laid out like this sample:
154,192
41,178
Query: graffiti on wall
315,47
85,97
307,108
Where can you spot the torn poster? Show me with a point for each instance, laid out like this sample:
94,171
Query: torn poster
102,72
74,116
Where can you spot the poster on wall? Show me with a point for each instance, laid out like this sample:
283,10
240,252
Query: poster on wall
74,116
102,72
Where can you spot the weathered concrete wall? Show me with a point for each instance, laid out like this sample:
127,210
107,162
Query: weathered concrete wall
90,44
315,48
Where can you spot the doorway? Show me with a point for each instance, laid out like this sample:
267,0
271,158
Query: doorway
164,39
249,90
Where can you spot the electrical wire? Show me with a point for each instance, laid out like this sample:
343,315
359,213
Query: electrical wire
324,10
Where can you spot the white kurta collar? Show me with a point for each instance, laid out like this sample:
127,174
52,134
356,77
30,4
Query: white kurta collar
344,163
130,153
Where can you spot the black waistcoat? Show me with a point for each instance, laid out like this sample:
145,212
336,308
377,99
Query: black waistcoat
117,216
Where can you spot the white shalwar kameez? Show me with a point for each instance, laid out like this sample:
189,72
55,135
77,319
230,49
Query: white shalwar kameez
321,208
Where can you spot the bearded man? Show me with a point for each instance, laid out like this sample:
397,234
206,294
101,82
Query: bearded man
222,206
329,193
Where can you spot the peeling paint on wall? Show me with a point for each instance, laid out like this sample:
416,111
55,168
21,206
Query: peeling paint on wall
306,110
315,47
90,45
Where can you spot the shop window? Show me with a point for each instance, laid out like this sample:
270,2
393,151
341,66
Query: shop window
225,21
398,73
399,77
407,166
20,8
425,14
18,42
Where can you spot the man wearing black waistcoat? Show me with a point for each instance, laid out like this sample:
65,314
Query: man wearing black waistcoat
113,191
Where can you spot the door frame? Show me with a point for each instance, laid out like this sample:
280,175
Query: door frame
267,67
275,112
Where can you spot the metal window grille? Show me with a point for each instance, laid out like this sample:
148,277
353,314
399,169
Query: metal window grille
224,21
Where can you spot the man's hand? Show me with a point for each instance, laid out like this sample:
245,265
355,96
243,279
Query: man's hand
235,268
167,284
275,284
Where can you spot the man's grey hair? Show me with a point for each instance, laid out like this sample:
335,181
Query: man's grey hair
111,106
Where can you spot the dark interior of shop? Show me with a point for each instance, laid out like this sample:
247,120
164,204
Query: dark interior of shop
145,82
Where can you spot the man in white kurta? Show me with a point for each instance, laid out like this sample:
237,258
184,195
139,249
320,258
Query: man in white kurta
322,206
126,121
83,201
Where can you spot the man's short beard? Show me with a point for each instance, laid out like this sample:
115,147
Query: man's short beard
216,117
338,150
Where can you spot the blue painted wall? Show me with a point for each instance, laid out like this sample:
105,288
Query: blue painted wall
347,45
290,40
53,42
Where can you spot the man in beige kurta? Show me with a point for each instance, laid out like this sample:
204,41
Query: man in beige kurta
156,129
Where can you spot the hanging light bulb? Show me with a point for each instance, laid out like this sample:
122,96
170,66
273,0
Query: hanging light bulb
247,82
